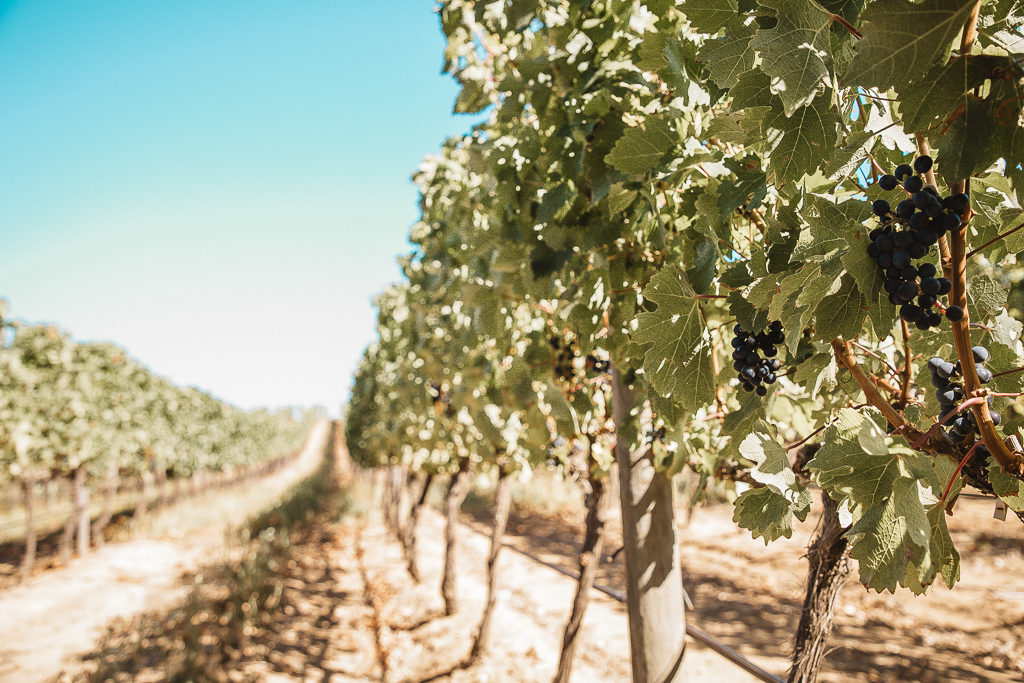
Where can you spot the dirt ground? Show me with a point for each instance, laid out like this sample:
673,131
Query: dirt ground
349,611
749,595
62,612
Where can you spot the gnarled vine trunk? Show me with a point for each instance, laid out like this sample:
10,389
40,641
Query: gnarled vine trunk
453,501
502,503
828,556
409,529
589,563
142,500
81,512
654,589
30,529
99,530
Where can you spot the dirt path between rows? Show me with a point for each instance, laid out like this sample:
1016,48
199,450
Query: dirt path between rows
532,607
61,613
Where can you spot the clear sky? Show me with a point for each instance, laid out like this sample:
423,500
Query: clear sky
220,186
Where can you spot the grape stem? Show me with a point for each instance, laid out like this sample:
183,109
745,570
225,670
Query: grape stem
843,351
959,468
907,368
949,416
995,239
954,267
847,25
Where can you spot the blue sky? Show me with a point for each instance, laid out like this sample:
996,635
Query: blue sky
219,186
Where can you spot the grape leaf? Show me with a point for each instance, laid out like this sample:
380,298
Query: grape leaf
641,149
890,536
903,39
765,512
931,100
1009,489
964,145
772,468
797,52
675,332
728,57
711,16
984,296
801,143
854,463
842,313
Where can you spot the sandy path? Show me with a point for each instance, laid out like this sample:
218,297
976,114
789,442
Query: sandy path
533,604
62,613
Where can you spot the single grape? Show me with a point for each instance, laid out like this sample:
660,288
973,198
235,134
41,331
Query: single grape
955,313
980,353
950,222
957,203
913,184
935,362
930,285
984,375
923,164
888,182
926,300
996,417
902,239
739,331
917,250
910,312
747,386
946,396
761,390
945,370
934,319
945,286
905,209
907,291
903,171
881,207
926,270
900,259
885,243
920,221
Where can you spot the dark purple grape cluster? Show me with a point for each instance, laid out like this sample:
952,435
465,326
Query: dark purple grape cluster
753,371
565,352
907,233
947,379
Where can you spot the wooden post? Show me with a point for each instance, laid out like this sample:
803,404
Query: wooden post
654,589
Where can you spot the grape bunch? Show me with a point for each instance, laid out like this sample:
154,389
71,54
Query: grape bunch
566,352
907,233
753,371
947,378
596,364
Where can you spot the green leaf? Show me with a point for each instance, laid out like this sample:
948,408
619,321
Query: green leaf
728,57
932,99
841,314
890,536
962,151
854,462
711,16
797,52
903,40
677,361
1009,489
801,143
772,468
641,149
765,512
985,297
